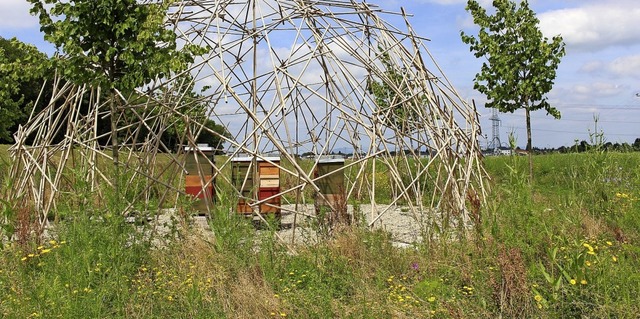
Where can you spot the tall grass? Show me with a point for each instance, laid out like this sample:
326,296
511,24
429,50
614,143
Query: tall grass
565,246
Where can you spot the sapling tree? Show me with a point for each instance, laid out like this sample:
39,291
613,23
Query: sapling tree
520,63
393,94
116,45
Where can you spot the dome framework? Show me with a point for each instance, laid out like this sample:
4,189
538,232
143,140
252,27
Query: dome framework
292,77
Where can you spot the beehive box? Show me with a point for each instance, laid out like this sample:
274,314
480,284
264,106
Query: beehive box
199,179
266,187
330,174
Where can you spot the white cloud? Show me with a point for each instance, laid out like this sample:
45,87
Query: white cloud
15,14
628,66
598,89
594,26
484,3
623,67
592,67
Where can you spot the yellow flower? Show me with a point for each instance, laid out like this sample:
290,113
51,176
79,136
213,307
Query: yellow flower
431,299
282,314
538,298
44,251
614,258
609,243
52,242
572,281
23,258
583,282
587,263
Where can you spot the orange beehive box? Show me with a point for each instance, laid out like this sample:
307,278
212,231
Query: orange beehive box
193,186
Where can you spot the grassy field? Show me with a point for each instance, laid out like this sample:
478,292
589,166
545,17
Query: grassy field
565,246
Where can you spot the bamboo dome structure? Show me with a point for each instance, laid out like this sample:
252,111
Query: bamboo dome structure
286,77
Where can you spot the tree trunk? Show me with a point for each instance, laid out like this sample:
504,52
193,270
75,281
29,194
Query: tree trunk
114,144
528,116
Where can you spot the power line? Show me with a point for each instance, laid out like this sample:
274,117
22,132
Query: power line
573,132
573,120
605,106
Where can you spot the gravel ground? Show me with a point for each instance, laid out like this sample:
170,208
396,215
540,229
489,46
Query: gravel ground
398,221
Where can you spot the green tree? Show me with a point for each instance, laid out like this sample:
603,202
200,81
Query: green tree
636,144
191,117
394,96
116,45
520,64
23,69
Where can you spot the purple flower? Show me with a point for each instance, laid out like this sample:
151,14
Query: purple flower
415,266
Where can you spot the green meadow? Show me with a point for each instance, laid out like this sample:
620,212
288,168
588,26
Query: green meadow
566,245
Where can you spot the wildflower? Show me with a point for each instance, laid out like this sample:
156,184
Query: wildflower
587,263
52,242
583,282
572,281
282,314
40,247
614,258
415,266
538,298
23,258
431,299
44,251
609,243
170,298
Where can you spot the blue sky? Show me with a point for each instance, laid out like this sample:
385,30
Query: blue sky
599,76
